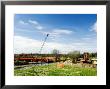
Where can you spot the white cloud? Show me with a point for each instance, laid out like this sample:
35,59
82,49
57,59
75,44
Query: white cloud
94,27
22,22
56,33
36,24
86,38
33,22
27,45
53,33
62,31
39,27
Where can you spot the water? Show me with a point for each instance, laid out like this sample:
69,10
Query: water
31,64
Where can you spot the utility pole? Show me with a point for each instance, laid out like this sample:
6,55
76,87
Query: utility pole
43,43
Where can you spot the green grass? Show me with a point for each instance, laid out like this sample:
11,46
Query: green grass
52,70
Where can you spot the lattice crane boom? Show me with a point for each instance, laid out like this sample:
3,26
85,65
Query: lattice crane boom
43,43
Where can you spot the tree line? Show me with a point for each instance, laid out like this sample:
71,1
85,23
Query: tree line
55,53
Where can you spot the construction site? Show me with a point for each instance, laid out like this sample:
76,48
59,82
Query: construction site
83,59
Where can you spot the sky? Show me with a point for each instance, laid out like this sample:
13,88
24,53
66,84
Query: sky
67,32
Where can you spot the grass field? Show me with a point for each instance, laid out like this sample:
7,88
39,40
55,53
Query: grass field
53,70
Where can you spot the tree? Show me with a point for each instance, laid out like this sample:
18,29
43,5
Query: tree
93,55
74,55
55,52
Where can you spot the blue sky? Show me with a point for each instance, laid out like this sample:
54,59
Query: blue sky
67,32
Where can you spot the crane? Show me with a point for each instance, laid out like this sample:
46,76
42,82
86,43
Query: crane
43,43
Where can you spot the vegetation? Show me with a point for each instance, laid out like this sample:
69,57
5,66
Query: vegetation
55,51
23,68
93,55
74,55
17,62
53,70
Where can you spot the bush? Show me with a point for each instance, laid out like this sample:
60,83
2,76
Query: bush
17,62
